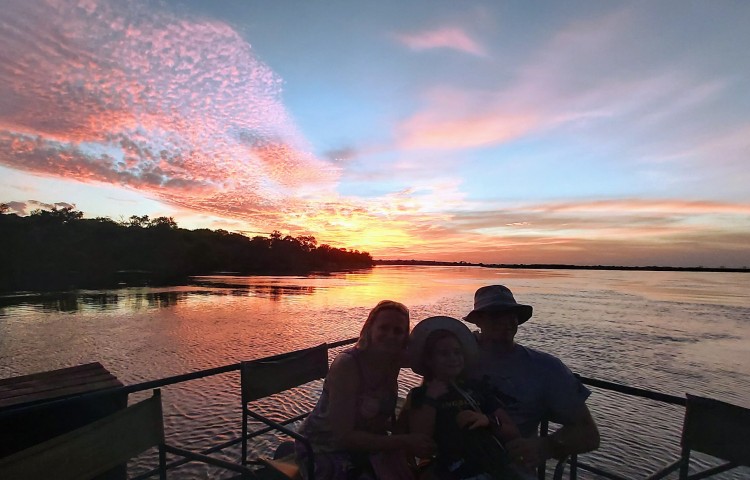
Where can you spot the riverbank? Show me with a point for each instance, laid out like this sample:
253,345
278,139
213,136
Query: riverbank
61,250
555,266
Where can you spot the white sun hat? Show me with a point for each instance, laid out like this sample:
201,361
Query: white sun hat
424,328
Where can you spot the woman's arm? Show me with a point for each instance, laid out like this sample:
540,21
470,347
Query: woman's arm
343,383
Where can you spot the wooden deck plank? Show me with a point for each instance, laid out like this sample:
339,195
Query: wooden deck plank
62,392
53,373
52,384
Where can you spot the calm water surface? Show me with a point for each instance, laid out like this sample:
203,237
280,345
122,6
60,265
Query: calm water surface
674,332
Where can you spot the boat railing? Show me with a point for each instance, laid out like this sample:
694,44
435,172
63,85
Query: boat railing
573,462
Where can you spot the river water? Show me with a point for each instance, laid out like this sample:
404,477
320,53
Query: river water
674,332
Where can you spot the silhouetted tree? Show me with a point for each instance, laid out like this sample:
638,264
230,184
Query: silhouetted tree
136,221
59,249
164,222
59,215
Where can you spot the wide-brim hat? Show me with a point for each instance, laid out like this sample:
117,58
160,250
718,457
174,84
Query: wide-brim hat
424,328
498,298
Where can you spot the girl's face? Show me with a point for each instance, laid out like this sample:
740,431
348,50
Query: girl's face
389,331
447,359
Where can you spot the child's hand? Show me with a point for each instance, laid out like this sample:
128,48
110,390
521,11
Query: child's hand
436,388
471,419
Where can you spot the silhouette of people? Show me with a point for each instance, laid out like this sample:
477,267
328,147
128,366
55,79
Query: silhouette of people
466,419
537,385
350,425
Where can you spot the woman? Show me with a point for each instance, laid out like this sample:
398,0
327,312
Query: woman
350,425
466,418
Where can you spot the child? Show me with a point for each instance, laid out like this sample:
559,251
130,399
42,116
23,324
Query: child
465,418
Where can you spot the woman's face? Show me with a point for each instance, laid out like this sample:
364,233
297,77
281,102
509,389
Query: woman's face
389,331
447,359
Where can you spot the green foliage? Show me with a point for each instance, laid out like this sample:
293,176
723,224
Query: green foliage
59,249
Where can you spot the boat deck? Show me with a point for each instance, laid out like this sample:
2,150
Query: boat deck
738,421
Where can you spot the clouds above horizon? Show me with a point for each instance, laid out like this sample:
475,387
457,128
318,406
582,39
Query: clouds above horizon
612,232
179,108
473,133
661,119
25,208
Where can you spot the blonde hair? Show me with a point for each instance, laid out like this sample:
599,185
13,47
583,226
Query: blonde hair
365,335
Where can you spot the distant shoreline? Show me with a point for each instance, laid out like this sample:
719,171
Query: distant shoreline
554,266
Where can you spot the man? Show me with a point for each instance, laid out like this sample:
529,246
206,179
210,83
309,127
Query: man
534,385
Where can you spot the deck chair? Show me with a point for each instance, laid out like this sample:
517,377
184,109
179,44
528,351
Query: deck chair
265,377
716,428
541,471
99,446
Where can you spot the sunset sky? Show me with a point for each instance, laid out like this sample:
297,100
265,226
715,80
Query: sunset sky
583,132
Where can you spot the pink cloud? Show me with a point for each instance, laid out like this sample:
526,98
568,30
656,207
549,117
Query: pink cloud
561,85
24,208
453,38
550,90
182,110
486,128
454,119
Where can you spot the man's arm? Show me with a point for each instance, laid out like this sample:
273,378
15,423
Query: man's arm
565,397
578,435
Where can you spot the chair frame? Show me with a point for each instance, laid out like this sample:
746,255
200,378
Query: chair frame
716,428
97,447
268,376
559,471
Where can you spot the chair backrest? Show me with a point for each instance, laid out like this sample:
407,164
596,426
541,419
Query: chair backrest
266,376
92,449
718,429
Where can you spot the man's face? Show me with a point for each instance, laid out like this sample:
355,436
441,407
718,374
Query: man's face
498,328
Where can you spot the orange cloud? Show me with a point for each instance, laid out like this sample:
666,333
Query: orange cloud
625,232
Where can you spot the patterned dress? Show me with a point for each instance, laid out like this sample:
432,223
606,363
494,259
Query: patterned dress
375,407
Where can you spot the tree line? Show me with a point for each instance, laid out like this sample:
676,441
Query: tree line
59,249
